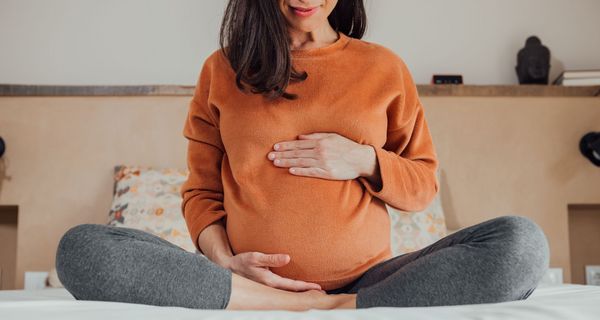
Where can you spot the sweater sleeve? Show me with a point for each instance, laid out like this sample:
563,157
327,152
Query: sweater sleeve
408,161
202,192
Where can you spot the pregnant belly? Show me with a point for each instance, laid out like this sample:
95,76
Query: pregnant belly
331,229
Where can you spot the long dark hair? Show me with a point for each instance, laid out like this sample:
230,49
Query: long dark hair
255,39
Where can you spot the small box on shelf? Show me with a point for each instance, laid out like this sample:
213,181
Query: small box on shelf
447,79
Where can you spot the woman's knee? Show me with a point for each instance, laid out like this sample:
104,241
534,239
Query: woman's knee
523,234
525,245
72,240
77,238
76,250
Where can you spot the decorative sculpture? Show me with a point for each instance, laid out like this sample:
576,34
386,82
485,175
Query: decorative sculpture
533,62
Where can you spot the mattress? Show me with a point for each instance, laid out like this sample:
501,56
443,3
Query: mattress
567,301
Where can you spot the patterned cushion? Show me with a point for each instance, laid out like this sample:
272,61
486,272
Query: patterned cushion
412,231
148,199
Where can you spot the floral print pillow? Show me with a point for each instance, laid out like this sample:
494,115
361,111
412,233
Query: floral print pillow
411,231
148,199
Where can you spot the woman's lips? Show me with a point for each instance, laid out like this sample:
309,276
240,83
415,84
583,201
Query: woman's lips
304,12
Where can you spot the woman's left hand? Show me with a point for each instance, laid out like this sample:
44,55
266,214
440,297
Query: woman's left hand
324,155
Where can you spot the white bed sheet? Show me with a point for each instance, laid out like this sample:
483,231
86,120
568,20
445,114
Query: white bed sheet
568,301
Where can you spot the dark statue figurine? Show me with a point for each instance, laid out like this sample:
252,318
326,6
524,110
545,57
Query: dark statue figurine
533,62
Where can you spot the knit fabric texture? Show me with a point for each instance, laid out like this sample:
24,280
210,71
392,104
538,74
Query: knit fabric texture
333,230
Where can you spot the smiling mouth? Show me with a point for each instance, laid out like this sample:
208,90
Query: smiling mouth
304,12
302,9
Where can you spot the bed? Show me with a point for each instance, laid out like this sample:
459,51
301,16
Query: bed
565,301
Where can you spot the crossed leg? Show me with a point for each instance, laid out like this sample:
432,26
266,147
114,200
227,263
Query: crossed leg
501,259
107,263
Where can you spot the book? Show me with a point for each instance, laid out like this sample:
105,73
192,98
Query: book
569,75
581,82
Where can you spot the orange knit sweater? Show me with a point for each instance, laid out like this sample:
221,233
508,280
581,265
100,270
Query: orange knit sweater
333,230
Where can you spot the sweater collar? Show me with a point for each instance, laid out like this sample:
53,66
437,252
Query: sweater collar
322,51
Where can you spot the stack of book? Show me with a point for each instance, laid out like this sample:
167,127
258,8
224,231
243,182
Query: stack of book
579,78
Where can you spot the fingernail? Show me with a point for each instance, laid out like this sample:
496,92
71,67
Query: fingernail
276,146
271,156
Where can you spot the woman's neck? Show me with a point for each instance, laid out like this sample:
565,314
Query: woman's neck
317,38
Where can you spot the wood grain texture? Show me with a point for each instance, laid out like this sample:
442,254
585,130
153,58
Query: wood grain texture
425,90
498,156
68,90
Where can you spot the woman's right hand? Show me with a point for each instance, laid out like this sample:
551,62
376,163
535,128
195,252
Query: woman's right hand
255,266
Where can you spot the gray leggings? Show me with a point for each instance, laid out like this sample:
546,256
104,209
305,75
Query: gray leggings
501,259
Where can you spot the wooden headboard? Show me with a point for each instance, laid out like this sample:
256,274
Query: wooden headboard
514,151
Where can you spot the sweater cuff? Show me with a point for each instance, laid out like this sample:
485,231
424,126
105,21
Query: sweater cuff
383,167
405,184
198,222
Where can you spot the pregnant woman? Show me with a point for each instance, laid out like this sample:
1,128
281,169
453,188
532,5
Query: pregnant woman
298,134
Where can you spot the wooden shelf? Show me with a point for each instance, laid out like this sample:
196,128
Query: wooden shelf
425,90
508,91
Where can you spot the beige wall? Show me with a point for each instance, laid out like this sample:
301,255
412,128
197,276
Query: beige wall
60,158
516,155
166,41
498,156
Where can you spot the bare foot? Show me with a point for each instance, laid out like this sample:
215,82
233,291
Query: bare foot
346,301
319,300
250,295
315,299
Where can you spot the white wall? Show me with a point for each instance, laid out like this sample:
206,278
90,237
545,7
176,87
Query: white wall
166,41
480,38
